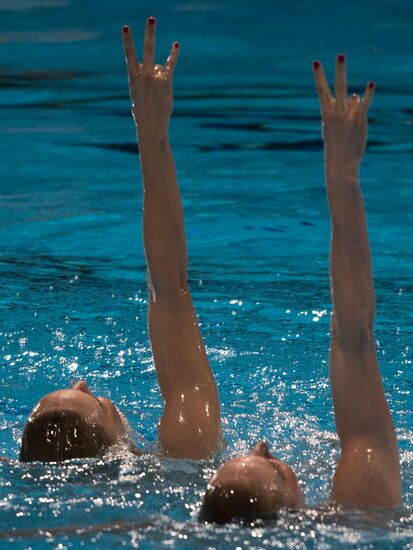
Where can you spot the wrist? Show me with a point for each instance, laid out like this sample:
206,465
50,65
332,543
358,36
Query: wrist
150,124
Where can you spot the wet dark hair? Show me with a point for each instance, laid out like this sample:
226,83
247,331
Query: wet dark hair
222,505
56,435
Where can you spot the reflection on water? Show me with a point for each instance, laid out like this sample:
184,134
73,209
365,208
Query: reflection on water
27,5
49,37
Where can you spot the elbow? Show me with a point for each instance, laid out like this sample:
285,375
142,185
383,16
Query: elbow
354,334
359,339
167,288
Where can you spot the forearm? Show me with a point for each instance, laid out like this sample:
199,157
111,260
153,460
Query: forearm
350,259
163,220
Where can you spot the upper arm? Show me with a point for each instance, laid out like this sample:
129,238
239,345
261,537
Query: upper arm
368,472
190,425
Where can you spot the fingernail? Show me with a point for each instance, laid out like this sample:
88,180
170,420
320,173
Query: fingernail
341,58
316,65
176,44
151,21
125,29
371,85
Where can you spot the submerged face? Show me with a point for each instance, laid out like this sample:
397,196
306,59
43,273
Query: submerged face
70,424
252,485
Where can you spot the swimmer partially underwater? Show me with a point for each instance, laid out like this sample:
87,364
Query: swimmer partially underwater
259,484
368,470
73,423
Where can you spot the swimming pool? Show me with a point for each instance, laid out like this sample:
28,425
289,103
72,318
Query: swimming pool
246,140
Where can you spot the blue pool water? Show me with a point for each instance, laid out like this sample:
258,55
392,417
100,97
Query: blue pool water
246,139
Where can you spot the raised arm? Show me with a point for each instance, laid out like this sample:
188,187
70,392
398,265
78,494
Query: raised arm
190,425
368,472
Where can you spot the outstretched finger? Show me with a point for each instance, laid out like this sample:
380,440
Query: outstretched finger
368,95
149,44
341,81
130,52
321,83
172,59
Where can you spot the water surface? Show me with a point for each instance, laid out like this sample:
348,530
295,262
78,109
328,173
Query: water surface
247,143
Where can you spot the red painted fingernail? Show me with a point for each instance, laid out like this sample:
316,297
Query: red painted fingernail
151,21
316,65
125,29
371,85
176,44
341,58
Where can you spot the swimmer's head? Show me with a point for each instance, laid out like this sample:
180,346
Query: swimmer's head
69,424
249,487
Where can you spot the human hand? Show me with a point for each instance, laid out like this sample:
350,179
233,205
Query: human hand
344,119
150,86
